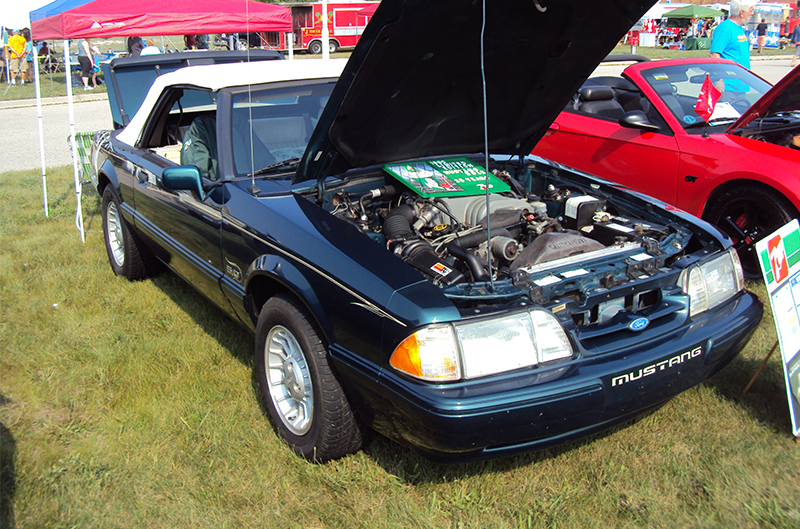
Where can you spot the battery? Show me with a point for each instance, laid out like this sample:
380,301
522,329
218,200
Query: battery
615,229
579,211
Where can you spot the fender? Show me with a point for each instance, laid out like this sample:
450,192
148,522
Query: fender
269,274
107,174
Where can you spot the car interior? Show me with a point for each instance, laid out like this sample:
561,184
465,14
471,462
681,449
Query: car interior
608,97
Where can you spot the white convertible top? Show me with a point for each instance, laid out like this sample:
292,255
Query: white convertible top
217,76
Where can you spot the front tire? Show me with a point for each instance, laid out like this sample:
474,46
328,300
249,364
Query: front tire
122,247
747,214
299,387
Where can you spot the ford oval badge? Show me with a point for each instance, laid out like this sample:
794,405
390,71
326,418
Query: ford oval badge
638,324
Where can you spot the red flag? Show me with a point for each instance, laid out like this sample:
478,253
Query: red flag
709,95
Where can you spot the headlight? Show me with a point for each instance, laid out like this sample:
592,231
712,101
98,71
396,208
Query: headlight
713,282
481,348
429,354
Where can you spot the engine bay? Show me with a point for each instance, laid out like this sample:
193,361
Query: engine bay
782,130
541,244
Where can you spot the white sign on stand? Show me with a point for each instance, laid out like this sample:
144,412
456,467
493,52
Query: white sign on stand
779,255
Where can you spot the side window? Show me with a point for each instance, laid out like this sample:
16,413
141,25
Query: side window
182,129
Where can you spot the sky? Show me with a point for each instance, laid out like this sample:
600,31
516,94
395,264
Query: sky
14,14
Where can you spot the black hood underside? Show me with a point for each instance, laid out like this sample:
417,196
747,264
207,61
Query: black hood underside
413,87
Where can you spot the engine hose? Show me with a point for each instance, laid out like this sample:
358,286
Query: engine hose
474,239
478,272
397,224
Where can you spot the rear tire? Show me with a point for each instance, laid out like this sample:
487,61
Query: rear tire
315,47
122,246
747,214
299,387
333,46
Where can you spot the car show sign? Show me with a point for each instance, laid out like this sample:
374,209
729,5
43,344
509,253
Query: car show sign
779,255
450,177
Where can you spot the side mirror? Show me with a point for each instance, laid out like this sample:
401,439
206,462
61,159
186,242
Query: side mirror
184,177
636,119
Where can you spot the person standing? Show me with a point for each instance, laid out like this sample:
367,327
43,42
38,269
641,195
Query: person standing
729,40
761,30
17,46
135,46
796,42
29,51
86,60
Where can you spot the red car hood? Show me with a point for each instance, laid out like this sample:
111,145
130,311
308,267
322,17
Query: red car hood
783,97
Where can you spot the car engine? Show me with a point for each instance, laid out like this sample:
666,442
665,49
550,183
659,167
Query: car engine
455,240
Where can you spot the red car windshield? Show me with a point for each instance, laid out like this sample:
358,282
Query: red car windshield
678,86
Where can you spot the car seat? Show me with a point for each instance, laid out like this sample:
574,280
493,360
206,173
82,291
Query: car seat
599,100
667,95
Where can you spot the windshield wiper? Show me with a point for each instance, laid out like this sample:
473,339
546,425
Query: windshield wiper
278,165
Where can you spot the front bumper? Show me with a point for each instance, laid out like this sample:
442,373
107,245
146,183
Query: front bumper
526,411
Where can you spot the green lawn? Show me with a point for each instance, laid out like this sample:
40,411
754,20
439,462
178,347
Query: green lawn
133,405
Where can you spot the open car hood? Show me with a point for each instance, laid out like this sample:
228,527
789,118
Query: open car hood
413,85
783,97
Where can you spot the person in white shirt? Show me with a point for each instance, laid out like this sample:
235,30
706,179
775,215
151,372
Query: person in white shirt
150,48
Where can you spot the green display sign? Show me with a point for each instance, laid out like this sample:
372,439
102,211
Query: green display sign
779,255
449,177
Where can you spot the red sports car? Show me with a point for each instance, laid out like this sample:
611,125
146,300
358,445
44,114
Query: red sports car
738,168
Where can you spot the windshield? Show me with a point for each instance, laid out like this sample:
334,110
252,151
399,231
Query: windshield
679,86
271,126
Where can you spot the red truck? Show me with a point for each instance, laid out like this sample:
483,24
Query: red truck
346,21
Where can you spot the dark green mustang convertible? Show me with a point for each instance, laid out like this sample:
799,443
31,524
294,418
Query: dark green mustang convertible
403,263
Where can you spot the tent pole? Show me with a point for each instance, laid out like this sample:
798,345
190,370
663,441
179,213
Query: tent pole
5,55
73,145
41,127
326,52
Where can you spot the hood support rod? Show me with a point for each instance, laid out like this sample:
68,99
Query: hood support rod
486,149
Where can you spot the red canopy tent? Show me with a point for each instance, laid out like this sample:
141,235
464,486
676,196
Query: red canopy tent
115,18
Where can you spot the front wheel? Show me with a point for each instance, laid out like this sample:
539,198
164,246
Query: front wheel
122,246
299,387
747,214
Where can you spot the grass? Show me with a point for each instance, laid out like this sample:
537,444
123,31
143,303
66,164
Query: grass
51,85
134,405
